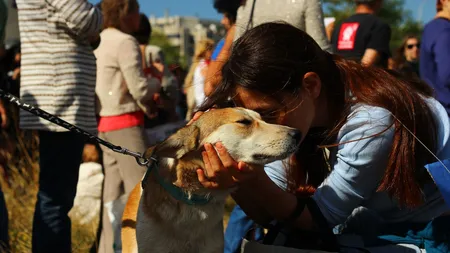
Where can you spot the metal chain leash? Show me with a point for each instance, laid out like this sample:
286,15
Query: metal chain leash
140,159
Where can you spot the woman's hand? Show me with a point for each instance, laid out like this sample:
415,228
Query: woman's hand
3,116
195,117
222,171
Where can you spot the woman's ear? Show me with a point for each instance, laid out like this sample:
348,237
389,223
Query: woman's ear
312,84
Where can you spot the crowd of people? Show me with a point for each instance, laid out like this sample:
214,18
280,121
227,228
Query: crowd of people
93,67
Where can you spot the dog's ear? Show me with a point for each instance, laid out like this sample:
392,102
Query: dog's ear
179,144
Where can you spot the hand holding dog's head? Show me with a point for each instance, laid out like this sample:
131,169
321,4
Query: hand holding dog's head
242,132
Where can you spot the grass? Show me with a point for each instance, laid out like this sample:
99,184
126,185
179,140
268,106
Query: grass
19,177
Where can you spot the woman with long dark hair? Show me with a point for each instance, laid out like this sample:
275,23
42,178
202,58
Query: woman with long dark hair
380,130
406,59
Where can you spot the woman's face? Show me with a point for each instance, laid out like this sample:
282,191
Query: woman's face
412,49
226,22
208,54
297,111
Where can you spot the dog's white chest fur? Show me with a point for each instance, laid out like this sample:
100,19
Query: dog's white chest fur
182,229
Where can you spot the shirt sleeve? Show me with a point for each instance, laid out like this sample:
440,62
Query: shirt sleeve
139,86
217,50
314,23
442,58
276,171
359,165
380,38
83,18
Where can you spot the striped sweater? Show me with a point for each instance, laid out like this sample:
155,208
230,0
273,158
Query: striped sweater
58,68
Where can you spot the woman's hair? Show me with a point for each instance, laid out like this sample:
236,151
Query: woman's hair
144,32
438,6
114,11
274,57
399,57
202,47
228,7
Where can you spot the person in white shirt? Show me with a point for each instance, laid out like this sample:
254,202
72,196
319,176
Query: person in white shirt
195,80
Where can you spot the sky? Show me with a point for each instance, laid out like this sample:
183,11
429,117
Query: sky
423,10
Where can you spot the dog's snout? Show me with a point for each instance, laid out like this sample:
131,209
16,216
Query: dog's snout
297,136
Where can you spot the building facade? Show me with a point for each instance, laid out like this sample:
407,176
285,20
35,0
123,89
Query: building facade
183,32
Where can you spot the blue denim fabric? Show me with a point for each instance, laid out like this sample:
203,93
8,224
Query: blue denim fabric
59,161
239,224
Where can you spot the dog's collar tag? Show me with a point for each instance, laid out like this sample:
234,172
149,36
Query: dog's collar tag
176,192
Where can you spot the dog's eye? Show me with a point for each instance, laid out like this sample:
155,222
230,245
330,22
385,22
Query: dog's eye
244,122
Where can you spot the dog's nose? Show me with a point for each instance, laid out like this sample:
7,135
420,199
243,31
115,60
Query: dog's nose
297,136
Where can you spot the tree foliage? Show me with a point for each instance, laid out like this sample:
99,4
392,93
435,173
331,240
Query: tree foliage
171,53
393,13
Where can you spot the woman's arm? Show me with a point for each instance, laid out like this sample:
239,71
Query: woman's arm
263,201
259,197
82,17
214,75
359,167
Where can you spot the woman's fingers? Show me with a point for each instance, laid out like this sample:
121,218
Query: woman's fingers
204,180
214,160
227,161
195,117
208,170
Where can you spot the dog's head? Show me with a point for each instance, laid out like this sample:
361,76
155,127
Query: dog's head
245,136
242,132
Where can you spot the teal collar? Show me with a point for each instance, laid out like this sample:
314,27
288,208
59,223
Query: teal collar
176,192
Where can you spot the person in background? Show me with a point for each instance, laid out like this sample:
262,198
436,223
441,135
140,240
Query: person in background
4,239
3,21
166,100
58,75
228,8
329,30
3,74
435,53
180,74
306,15
406,60
195,79
363,37
125,95
11,65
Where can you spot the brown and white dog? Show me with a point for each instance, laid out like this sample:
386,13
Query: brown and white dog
154,221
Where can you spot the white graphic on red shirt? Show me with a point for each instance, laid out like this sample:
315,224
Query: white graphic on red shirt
347,36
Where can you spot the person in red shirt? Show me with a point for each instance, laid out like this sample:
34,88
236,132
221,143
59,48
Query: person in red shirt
125,95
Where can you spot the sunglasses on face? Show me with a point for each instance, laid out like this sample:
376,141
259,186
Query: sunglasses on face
411,46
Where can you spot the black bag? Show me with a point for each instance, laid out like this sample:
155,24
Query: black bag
283,234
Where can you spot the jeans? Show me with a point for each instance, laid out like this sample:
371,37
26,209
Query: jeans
59,161
238,226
